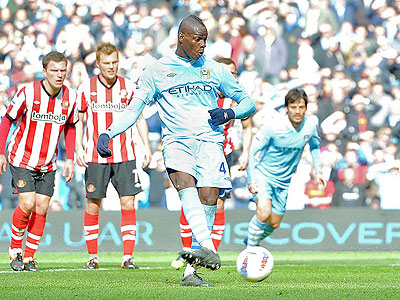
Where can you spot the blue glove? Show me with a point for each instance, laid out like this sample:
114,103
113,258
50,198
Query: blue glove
102,145
220,116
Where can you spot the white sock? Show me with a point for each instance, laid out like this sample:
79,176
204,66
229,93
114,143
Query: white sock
208,244
189,270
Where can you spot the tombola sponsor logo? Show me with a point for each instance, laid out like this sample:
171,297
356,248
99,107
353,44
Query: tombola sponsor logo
49,117
108,106
190,89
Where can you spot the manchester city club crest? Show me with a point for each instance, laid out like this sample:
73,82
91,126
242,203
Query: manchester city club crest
205,73
307,138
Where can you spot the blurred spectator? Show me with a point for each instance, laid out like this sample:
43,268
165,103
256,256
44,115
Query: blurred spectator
46,23
121,28
326,47
359,116
156,171
271,50
383,137
347,192
319,196
357,66
387,177
344,11
332,129
308,68
393,119
21,19
381,98
291,33
319,13
351,160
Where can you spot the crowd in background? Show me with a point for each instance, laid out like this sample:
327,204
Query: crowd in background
346,54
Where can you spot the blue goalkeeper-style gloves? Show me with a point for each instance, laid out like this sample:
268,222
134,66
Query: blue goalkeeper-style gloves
220,116
102,145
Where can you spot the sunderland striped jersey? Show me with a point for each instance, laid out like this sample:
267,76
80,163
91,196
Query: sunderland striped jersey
101,106
40,117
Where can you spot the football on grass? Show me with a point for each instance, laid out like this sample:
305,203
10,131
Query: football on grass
255,263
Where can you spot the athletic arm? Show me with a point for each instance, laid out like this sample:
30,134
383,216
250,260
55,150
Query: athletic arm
70,137
143,130
246,143
316,157
5,126
80,151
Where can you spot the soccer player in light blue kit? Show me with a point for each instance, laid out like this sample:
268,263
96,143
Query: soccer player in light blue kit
184,87
274,155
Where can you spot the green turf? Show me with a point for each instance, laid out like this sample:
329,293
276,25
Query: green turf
308,275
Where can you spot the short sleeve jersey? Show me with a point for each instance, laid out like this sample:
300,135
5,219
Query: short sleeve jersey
101,106
40,117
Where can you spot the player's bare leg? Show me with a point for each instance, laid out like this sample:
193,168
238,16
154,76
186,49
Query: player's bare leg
263,223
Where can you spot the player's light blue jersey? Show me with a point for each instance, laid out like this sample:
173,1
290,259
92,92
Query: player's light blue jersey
184,92
277,148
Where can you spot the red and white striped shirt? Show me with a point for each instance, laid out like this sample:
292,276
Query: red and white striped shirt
40,120
102,105
228,144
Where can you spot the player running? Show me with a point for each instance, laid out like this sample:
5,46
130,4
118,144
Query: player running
101,99
41,111
274,155
184,87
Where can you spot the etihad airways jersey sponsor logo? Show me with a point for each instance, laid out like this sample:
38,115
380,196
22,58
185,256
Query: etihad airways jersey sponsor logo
49,117
108,106
190,89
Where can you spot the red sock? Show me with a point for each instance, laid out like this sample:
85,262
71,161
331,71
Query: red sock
35,232
91,228
186,232
128,230
19,222
218,228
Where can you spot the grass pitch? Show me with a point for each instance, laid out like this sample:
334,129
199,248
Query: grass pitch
296,275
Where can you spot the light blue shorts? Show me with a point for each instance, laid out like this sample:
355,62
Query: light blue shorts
205,161
277,195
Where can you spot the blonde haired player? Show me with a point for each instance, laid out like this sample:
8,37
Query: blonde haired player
101,100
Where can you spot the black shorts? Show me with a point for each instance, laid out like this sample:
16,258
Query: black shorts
123,176
24,180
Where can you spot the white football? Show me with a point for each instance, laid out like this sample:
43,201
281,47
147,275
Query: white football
255,263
